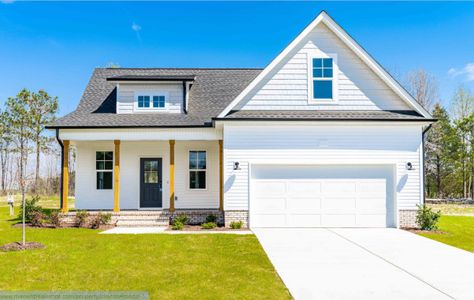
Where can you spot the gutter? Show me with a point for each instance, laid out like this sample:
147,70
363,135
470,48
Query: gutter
61,188
424,159
326,120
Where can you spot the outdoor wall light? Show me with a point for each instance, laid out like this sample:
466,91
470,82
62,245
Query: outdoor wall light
236,165
409,166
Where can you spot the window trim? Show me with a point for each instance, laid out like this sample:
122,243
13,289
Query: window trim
335,73
111,171
150,94
188,179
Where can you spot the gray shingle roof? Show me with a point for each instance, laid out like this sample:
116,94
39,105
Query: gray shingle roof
212,91
325,115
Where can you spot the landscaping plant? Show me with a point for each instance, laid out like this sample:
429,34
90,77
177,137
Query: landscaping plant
55,218
100,219
37,218
81,218
177,225
31,208
209,225
236,224
211,219
181,219
426,218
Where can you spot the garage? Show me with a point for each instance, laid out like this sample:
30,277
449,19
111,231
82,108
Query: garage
322,196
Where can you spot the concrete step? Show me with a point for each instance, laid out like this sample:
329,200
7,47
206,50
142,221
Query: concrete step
140,217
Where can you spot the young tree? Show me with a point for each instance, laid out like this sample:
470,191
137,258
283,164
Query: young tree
5,140
424,87
19,119
43,109
466,129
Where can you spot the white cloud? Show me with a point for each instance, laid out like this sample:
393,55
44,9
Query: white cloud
7,1
136,27
466,72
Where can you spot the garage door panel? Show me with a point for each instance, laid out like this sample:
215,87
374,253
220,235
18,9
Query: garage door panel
343,220
371,203
338,187
265,204
303,220
350,197
304,188
296,203
266,188
338,203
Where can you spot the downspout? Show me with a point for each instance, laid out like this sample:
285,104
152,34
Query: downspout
60,142
184,97
424,159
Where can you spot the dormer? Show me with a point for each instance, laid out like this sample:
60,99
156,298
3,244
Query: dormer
152,94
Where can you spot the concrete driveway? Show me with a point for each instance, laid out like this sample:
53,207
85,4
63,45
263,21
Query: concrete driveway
367,264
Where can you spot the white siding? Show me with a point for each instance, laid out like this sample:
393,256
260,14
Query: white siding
187,198
323,144
358,88
126,97
87,197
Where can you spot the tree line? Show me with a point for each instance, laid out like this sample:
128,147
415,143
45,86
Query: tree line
23,134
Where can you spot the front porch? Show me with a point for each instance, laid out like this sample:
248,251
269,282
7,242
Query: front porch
145,172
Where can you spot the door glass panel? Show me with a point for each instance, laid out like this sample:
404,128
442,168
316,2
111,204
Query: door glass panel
151,177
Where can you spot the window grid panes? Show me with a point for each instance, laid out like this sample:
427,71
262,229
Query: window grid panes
197,169
151,171
158,101
104,164
143,101
322,78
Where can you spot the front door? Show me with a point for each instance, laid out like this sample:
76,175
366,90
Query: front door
150,182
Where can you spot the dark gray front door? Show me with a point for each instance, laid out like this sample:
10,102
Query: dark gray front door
150,182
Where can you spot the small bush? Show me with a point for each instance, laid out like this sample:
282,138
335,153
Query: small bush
426,218
209,225
55,218
183,219
81,218
177,225
31,208
211,219
100,219
236,225
37,218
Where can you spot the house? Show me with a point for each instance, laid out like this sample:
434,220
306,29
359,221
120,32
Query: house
323,136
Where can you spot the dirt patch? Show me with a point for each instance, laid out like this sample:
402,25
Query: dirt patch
199,228
418,231
17,246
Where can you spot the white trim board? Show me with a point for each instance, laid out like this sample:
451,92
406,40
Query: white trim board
324,18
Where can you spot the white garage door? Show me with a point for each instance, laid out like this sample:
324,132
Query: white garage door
322,196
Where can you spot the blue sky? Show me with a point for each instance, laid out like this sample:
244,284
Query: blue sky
56,45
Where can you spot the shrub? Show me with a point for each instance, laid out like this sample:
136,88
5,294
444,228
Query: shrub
183,219
426,218
37,218
209,225
55,218
100,219
31,208
236,224
211,219
177,225
81,218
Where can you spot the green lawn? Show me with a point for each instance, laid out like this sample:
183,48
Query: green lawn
458,231
166,266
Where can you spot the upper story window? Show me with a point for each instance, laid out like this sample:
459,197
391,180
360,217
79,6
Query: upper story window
323,77
151,101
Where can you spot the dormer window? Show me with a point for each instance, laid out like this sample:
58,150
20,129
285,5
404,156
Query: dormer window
150,101
322,83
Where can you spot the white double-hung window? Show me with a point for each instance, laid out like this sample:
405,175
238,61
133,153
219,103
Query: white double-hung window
323,79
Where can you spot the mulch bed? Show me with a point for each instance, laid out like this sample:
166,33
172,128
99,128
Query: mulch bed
17,246
199,228
64,225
